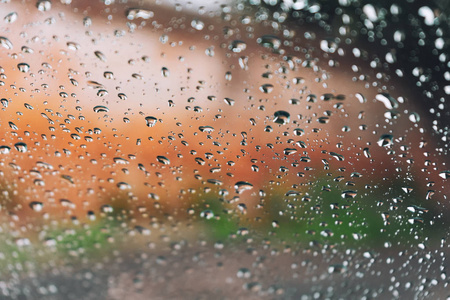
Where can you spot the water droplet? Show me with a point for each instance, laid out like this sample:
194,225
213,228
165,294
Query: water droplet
87,21
243,273
338,157
135,13
281,117
106,208
23,67
323,120
387,100
165,72
6,43
349,194
266,88
101,109
123,186
269,41
100,56
197,24
44,5
414,117
207,129
329,46
73,46
36,206
21,147
361,98
290,151
445,174
5,149
229,101
150,121
237,46
13,126
162,159
385,140
120,160
11,17
242,186
207,214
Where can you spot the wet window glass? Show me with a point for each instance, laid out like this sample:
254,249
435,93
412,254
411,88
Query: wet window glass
250,149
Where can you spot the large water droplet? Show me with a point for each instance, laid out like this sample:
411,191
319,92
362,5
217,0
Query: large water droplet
385,140
387,100
238,46
36,206
150,121
281,117
6,43
101,109
445,174
11,17
135,13
414,117
162,159
44,5
242,186
21,147
269,41
23,67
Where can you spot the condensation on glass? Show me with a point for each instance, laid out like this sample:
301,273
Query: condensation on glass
224,149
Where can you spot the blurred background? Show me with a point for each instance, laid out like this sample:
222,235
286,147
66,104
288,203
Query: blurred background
230,149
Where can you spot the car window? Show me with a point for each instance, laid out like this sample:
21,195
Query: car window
224,149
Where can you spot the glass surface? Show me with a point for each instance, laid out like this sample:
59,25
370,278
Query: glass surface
257,149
